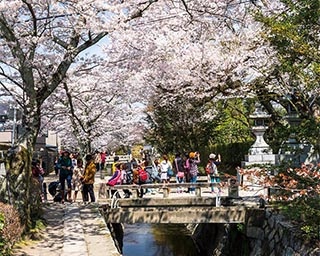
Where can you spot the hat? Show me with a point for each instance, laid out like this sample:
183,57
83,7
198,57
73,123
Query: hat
212,156
192,154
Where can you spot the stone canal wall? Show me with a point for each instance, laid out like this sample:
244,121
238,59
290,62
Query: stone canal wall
265,233
270,234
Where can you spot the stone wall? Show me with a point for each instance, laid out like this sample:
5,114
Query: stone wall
266,233
270,234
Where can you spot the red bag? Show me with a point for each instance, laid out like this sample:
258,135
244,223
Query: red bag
180,174
143,175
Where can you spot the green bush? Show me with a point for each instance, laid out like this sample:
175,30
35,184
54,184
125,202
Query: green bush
10,228
305,212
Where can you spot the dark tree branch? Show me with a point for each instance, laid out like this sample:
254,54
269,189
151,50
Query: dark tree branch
33,15
186,8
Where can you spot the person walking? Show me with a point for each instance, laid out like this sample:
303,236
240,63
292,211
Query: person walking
73,160
56,166
212,170
88,179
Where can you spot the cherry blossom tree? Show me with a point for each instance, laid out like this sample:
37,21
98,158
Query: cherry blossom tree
40,40
207,51
204,52
101,111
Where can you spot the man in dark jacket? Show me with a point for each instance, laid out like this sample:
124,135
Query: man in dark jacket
65,174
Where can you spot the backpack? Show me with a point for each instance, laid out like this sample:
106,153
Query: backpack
125,177
211,168
143,175
113,181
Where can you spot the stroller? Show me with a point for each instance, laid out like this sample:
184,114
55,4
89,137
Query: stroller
54,190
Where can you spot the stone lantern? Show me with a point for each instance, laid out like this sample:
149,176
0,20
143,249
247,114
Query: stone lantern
292,151
260,152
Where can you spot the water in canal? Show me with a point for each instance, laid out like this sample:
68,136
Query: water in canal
158,240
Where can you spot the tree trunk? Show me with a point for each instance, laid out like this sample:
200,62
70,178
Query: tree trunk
18,188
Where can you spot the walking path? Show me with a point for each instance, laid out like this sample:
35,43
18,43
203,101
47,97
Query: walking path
72,230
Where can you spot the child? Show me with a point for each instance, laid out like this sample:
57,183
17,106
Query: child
77,179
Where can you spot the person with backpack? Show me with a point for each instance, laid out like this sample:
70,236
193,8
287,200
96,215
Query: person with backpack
116,178
212,170
192,167
140,176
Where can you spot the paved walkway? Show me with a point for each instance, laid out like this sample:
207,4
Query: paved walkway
72,230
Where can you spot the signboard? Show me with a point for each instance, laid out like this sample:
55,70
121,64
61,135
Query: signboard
5,137
122,158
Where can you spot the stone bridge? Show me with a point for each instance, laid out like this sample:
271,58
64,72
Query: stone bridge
174,210
163,203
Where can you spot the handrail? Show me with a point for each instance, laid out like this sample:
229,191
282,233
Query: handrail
174,185
167,186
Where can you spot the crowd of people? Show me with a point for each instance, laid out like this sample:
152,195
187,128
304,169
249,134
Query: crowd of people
77,176
184,168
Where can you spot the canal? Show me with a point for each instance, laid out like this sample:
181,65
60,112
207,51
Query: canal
158,239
